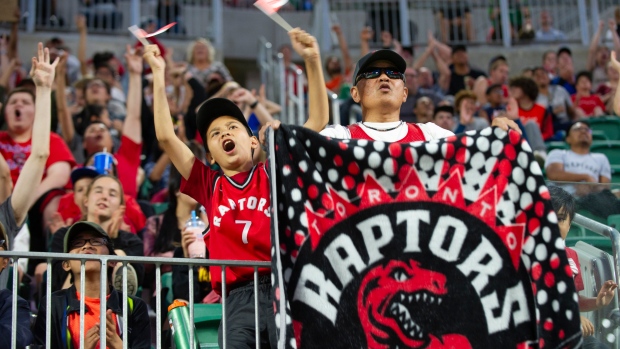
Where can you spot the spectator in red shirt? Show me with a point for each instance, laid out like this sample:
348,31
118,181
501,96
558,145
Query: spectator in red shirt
97,136
525,91
587,104
15,147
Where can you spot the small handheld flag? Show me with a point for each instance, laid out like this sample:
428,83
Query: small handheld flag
270,8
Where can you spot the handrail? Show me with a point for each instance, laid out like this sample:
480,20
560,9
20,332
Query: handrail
605,231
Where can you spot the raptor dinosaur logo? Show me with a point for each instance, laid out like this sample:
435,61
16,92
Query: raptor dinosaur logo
385,313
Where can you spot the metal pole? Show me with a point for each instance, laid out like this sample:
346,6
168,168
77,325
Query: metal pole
583,22
282,86
134,11
14,306
594,16
158,305
32,16
190,279
335,108
125,310
301,107
218,26
405,31
103,293
504,13
82,301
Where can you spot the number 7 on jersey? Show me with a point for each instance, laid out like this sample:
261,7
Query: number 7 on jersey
246,230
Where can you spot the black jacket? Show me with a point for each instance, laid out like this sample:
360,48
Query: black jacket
23,334
65,302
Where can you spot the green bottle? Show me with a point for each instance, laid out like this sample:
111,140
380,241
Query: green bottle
178,317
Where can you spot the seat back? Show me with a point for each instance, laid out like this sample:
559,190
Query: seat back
609,125
207,318
611,149
596,268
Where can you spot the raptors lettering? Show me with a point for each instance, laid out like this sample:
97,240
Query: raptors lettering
249,203
446,242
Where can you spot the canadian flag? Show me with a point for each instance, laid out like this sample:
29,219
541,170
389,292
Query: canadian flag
270,7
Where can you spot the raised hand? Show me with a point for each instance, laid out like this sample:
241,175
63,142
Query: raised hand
366,34
242,95
187,237
153,57
42,71
117,221
336,29
304,44
80,23
61,68
606,294
134,60
112,339
614,61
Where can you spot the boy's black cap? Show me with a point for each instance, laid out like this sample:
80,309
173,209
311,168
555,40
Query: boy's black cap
83,172
380,55
443,108
493,87
565,49
213,109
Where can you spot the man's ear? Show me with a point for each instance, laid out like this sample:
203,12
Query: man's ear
405,94
355,94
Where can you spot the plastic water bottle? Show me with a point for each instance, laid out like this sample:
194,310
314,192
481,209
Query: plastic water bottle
196,249
178,317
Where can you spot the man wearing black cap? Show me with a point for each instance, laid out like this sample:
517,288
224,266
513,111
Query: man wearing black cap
566,70
380,90
89,238
237,199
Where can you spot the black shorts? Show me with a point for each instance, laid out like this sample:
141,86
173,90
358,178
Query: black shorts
240,331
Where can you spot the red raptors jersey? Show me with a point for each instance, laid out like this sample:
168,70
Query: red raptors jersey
414,133
238,208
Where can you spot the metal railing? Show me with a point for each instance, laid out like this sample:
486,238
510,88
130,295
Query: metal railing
105,260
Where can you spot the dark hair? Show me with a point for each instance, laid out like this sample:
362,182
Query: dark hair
493,87
106,66
583,74
570,127
443,108
168,232
566,50
459,47
101,58
563,203
408,49
527,85
496,61
85,87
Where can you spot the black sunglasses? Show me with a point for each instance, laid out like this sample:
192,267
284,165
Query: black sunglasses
373,73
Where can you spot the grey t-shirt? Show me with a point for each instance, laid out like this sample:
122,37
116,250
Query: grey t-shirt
7,218
558,96
592,164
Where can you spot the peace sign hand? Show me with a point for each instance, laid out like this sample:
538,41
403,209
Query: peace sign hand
42,71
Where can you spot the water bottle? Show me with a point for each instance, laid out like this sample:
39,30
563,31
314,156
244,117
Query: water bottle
178,317
196,249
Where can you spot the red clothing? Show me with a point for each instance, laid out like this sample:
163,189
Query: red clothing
541,117
16,154
588,104
133,213
239,211
572,256
128,157
91,317
414,134
153,40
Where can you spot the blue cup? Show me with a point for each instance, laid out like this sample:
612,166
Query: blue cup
104,162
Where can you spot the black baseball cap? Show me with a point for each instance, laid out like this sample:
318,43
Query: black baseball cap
83,172
458,47
213,109
380,55
565,49
89,227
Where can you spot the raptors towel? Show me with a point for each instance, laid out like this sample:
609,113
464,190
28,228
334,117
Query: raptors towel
442,244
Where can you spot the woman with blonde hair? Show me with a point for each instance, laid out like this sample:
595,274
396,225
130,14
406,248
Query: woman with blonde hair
201,58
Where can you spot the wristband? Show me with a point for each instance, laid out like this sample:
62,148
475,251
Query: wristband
253,105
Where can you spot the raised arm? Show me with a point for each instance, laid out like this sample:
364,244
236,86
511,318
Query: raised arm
180,155
344,48
419,63
596,39
616,65
80,22
444,72
365,37
132,127
43,75
12,49
614,35
6,182
64,116
318,106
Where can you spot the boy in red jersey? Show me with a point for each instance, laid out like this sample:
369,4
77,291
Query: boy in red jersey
236,199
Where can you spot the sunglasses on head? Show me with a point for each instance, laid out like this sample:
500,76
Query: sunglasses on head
373,73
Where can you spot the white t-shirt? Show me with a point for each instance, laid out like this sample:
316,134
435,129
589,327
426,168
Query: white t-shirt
430,131
592,164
